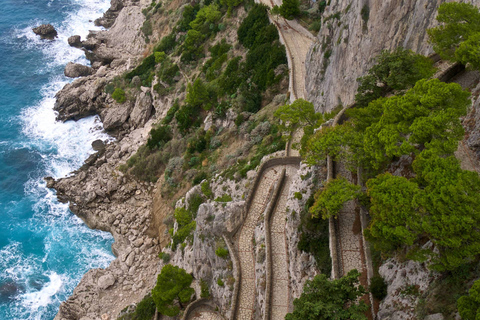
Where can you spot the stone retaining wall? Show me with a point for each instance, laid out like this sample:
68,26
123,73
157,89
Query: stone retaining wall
195,304
237,221
236,274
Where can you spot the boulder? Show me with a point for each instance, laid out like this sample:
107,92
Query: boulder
110,15
46,31
142,110
50,182
75,70
106,281
98,145
75,41
436,316
114,117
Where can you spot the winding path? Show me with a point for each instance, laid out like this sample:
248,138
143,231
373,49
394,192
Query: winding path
280,299
297,41
245,247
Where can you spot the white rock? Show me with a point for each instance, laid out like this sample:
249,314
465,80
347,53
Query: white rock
106,281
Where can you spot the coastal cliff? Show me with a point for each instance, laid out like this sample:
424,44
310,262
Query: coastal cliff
140,213
352,34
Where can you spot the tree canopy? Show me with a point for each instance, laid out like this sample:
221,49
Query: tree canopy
300,113
330,200
393,71
440,204
456,38
173,286
290,9
469,306
323,299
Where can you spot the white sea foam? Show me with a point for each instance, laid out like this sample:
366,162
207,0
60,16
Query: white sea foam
63,148
42,298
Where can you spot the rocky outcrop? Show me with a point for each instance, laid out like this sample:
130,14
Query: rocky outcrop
348,41
105,199
407,281
111,14
75,70
75,41
81,98
46,31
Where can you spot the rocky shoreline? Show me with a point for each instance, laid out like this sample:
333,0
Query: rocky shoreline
98,192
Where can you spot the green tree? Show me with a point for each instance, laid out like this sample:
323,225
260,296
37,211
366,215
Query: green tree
469,306
323,299
395,216
440,205
173,286
197,95
230,4
329,200
426,116
393,71
459,23
299,113
290,9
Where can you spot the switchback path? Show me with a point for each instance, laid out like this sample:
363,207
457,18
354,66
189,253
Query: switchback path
279,306
297,41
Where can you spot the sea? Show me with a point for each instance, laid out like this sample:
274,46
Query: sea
44,248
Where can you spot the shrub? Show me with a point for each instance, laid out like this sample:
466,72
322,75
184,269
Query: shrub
119,95
224,198
220,282
222,252
290,9
206,190
167,44
204,290
159,136
164,256
145,309
378,287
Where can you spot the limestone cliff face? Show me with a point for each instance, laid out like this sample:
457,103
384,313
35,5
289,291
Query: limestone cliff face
348,41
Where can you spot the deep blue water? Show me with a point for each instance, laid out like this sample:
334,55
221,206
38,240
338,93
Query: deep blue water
44,248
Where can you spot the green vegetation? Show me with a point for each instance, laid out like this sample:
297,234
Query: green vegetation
220,282
469,306
301,114
172,288
457,37
144,310
119,95
222,252
204,290
224,198
378,287
206,190
323,299
186,220
290,9
314,238
178,146
330,200
393,72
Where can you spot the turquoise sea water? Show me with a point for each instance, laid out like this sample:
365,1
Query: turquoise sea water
44,248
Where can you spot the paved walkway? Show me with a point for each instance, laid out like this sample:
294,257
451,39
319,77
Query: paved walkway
297,41
245,248
280,281
205,313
